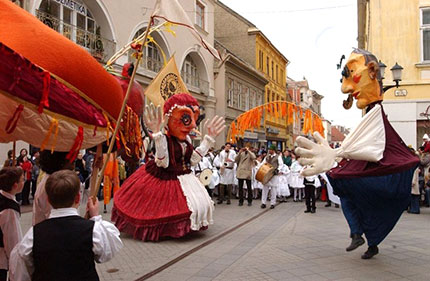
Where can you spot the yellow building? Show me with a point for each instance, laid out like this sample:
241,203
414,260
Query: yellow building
273,65
399,31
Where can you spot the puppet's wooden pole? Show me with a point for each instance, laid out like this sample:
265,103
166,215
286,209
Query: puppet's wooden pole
13,154
118,123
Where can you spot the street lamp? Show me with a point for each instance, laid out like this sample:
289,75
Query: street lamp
396,71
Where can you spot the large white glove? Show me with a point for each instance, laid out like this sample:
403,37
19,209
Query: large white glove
319,156
153,118
215,126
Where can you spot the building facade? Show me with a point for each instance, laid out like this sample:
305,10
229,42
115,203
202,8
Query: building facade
303,96
399,31
246,41
239,87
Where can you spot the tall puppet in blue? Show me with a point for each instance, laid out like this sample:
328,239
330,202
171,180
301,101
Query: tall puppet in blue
373,167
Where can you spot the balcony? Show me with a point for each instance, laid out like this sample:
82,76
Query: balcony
100,48
149,63
195,84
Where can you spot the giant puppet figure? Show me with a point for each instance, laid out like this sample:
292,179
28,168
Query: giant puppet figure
164,198
374,171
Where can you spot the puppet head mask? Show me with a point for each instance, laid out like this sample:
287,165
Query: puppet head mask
361,79
183,113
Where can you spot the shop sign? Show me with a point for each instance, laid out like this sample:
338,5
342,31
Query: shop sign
250,135
272,131
78,7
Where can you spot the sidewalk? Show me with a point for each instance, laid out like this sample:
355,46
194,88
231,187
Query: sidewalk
286,244
281,244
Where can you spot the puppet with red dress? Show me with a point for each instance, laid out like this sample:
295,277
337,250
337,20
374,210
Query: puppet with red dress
164,198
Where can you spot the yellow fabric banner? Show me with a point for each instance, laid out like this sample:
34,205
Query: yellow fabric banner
168,82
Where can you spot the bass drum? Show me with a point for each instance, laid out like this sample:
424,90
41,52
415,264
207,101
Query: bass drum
265,173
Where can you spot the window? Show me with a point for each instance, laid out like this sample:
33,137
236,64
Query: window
268,96
73,20
260,98
152,58
273,96
239,96
19,3
260,60
230,92
189,72
200,14
301,96
277,73
425,33
273,72
252,99
245,98
282,77
267,65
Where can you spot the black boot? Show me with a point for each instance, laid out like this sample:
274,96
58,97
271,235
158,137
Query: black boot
371,251
356,242
307,211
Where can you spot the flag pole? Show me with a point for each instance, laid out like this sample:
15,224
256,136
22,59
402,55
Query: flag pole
124,103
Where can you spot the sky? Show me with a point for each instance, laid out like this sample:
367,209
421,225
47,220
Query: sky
312,35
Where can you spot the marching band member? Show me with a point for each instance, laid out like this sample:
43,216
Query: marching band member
297,180
276,161
284,179
226,158
200,167
256,185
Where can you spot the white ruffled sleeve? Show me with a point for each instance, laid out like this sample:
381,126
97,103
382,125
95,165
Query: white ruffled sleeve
202,149
161,150
367,141
106,241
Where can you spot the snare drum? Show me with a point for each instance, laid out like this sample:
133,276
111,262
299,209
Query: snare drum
265,173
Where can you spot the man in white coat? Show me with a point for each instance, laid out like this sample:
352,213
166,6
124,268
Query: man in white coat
276,161
227,157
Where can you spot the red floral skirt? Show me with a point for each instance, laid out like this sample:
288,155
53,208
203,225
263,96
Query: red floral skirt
149,208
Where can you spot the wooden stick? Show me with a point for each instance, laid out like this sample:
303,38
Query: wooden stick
124,103
13,154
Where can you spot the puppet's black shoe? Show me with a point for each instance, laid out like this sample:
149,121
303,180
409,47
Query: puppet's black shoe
263,206
356,242
371,251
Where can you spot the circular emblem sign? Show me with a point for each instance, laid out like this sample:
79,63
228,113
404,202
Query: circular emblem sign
170,86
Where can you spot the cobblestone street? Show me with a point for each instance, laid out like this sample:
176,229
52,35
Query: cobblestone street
280,244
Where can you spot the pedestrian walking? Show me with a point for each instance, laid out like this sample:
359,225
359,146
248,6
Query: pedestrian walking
309,183
245,162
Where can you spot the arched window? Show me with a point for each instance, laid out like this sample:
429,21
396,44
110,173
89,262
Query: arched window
189,72
152,59
76,22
